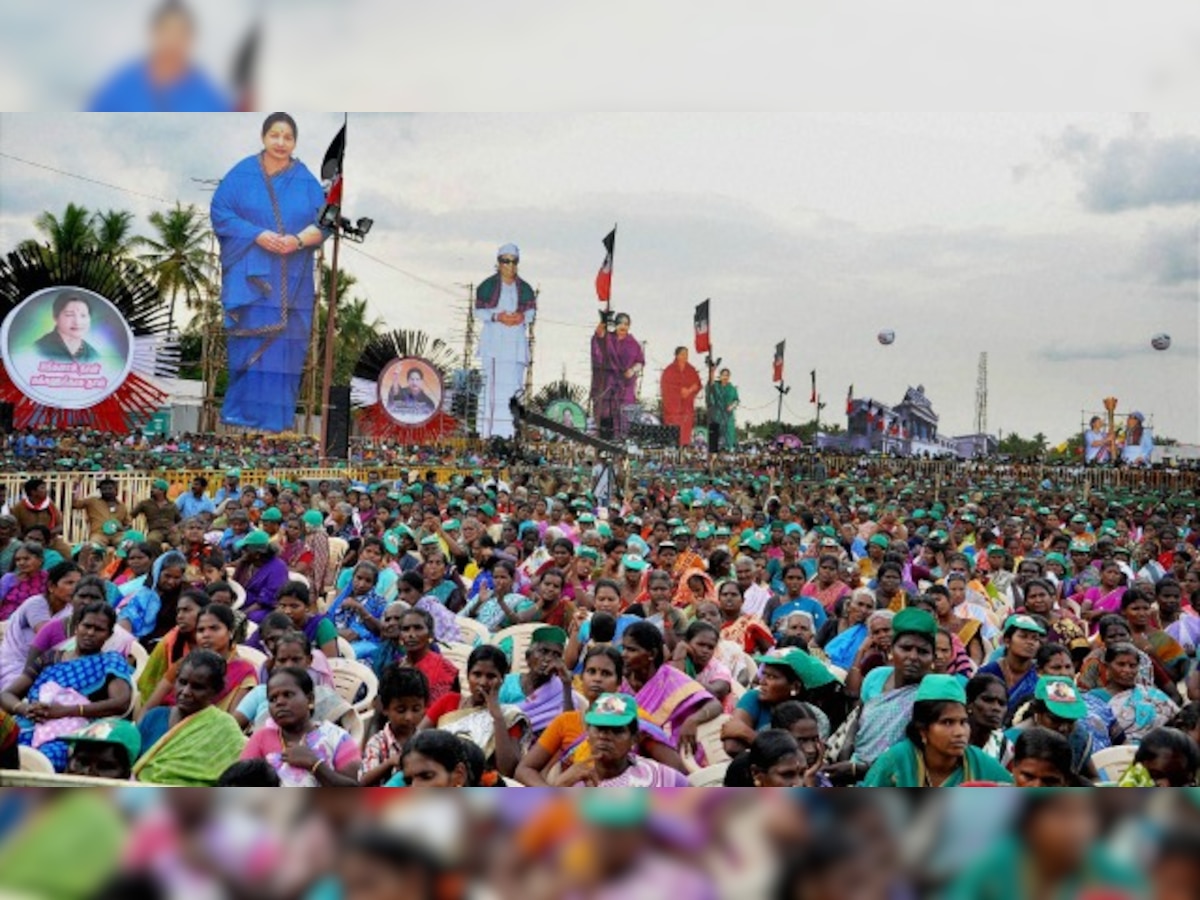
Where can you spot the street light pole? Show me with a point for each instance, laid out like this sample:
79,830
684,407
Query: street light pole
330,333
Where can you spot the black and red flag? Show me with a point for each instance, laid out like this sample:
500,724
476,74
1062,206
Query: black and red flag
331,168
245,71
780,350
703,343
850,400
813,397
604,278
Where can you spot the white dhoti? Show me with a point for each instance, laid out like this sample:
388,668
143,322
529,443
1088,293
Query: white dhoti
503,355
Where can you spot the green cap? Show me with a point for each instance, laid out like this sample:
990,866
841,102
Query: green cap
605,529
919,514
1023,623
1056,558
255,539
488,510
550,634
634,563
117,732
681,531
704,532
313,517
1061,697
589,553
811,672
1080,547
430,540
391,544
722,532
617,808
1079,519
914,621
234,473
880,540
128,539
610,710
996,550
160,484
941,687
272,515
451,525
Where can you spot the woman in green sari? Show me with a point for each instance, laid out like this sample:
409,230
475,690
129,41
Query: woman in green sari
723,401
937,749
193,742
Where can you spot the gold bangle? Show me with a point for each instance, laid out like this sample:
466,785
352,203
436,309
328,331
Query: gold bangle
313,770
81,715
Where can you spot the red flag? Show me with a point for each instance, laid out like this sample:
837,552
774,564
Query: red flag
703,343
850,400
331,168
780,350
604,278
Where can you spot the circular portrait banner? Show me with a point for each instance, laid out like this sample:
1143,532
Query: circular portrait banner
568,413
410,391
66,347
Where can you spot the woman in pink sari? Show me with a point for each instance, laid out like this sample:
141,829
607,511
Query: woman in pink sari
26,580
1105,599
672,700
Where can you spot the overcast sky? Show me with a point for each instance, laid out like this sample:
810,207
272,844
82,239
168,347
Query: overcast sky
1058,243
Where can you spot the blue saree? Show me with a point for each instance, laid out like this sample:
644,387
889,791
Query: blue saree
268,299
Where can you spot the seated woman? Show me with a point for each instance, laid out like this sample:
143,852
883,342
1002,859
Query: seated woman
306,752
150,612
372,550
696,657
844,633
825,587
60,692
434,759
441,584
564,743
291,649
133,562
1104,599
987,708
1023,637
612,729
543,691
936,751
357,610
27,579
416,636
295,600
59,633
968,631
162,668
786,674
606,598
502,732
1166,758
749,632
261,572
32,616
773,760
190,743
1137,609
1059,706
1093,672
1133,709
1065,629
214,631
1042,759
675,703
494,585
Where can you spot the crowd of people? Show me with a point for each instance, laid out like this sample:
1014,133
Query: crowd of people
746,628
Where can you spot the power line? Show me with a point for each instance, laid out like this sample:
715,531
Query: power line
115,187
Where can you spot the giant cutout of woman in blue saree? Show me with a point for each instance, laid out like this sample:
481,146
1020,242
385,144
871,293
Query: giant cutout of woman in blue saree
265,216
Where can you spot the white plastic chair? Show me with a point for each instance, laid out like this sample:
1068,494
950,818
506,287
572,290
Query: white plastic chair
522,637
256,658
476,630
354,726
458,654
32,760
239,595
303,579
349,677
345,649
712,776
708,736
1113,762
137,653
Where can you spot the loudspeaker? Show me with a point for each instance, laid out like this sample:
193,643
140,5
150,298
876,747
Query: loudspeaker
662,436
6,418
337,436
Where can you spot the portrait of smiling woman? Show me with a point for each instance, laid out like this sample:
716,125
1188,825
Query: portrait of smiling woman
72,322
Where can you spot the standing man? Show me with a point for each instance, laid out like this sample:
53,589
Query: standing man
723,402
1138,449
504,305
108,517
36,508
680,385
617,361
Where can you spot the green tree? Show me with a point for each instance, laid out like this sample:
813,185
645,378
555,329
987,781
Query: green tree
111,231
178,256
69,234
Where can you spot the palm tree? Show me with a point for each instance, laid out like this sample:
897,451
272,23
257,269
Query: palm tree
179,259
111,230
69,235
